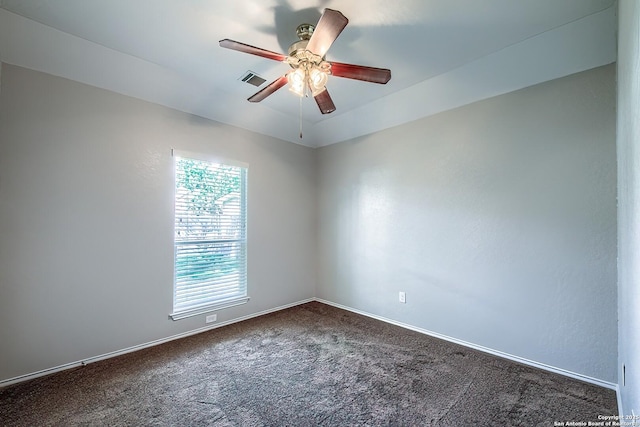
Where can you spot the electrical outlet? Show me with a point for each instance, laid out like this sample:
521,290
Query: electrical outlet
402,297
211,318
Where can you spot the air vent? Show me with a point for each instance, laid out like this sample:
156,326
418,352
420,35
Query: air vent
252,78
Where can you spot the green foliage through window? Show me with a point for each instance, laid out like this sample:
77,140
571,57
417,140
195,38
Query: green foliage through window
195,177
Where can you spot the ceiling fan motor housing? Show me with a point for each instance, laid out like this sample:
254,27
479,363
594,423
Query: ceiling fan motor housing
300,57
304,32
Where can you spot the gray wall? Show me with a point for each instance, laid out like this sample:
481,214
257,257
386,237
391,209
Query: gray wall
498,220
629,203
86,219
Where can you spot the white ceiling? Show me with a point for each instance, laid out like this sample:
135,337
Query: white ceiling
442,54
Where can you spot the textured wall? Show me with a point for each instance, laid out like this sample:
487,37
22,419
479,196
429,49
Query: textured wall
629,203
86,219
497,219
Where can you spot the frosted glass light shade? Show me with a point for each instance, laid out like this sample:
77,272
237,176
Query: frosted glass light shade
297,81
317,80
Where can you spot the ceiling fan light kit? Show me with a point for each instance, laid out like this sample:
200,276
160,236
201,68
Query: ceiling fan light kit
306,57
310,70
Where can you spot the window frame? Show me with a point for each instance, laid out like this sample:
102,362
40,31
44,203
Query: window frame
229,302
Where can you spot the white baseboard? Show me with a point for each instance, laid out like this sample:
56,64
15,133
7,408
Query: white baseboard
498,353
109,355
620,409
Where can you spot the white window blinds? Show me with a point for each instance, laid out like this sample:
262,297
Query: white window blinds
210,269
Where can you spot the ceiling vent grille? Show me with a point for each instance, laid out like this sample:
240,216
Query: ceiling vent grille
252,78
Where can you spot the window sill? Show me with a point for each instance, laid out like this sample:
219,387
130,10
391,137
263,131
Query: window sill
208,308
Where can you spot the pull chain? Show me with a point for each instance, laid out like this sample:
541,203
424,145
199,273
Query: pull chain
301,116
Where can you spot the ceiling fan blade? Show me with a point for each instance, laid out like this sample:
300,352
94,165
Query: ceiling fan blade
329,27
360,72
242,47
325,103
268,90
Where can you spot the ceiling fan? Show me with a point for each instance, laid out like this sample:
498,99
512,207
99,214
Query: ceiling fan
307,59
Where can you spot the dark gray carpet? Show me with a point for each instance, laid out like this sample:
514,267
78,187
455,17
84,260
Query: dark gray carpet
306,366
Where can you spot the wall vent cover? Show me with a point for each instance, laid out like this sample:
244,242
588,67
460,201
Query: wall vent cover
252,78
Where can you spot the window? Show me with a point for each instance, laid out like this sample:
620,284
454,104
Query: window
210,235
